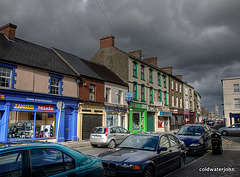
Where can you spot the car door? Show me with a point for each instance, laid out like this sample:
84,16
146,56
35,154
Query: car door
49,161
163,162
123,133
176,150
232,129
207,137
15,163
115,134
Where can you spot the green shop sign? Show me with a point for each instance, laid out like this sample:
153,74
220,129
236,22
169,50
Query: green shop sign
138,105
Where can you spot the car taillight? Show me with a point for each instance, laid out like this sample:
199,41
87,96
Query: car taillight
106,134
102,170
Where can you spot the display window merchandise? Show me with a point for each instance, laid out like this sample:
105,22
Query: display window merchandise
28,125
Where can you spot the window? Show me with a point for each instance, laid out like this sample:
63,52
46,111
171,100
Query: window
151,95
7,75
160,95
134,69
108,95
136,121
237,103
55,87
143,93
173,140
159,79
11,164
165,98
120,97
134,91
150,75
176,87
180,103
52,162
177,102
165,81
172,84
180,88
164,142
236,88
91,92
172,101
142,72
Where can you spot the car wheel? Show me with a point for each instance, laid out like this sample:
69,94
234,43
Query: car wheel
112,144
181,162
148,172
224,133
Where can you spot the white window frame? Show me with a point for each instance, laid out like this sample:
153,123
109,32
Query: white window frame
5,77
237,103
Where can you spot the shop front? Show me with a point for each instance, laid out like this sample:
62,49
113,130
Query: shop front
177,119
31,116
186,117
234,118
151,112
192,117
163,121
137,117
116,116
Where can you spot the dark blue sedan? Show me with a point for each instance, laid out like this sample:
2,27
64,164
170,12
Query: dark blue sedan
144,155
197,137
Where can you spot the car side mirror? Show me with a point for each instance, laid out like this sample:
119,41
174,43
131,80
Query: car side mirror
174,133
163,149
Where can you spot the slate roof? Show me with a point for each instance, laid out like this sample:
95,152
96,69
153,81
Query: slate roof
104,73
32,55
78,64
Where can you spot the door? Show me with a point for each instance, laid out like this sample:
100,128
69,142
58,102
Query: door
89,122
150,124
67,127
175,148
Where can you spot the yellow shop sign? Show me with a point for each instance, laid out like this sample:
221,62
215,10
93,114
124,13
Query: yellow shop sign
2,97
22,106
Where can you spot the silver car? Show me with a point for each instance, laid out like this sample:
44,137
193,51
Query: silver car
108,136
231,130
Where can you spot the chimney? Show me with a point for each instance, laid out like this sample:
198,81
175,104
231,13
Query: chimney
179,77
167,69
107,41
9,30
137,54
151,61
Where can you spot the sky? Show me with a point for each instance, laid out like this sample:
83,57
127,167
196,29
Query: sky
198,38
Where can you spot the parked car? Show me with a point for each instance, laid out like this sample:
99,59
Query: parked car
210,122
47,159
144,155
231,130
197,137
219,121
108,136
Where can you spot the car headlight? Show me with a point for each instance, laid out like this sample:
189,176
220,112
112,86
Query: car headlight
131,166
195,144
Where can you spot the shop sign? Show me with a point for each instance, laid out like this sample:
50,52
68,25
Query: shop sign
45,108
167,114
151,108
38,100
23,106
138,105
128,96
115,109
2,97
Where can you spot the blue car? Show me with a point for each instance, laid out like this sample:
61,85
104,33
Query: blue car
197,137
144,155
47,159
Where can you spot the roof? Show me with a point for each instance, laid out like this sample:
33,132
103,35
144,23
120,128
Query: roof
77,64
105,73
32,55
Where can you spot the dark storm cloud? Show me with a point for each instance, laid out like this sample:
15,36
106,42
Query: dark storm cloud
199,39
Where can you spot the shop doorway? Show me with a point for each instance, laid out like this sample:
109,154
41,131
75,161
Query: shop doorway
150,124
237,119
67,125
89,122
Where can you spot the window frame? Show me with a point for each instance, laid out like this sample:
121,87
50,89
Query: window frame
143,93
151,95
159,79
94,92
165,99
108,95
13,74
165,81
60,89
160,95
135,69
150,75
143,72
135,91
236,90
237,104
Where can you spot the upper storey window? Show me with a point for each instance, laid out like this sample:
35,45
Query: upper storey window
7,73
55,87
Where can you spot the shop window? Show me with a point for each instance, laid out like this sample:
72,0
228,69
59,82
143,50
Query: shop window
21,125
112,119
91,92
7,75
136,121
55,87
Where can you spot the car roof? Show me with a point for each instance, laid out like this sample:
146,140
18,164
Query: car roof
197,125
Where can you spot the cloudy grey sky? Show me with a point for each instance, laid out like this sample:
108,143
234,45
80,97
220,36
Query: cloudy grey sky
199,38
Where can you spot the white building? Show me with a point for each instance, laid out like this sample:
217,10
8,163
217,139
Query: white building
231,98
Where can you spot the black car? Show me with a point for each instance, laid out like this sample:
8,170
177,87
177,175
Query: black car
144,155
197,137
210,122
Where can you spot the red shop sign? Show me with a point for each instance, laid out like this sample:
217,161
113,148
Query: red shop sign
45,108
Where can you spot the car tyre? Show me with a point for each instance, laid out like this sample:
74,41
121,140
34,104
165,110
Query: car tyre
224,133
112,144
181,162
148,172
94,145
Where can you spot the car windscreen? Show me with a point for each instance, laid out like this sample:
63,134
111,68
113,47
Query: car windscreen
190,130
141,142
99,130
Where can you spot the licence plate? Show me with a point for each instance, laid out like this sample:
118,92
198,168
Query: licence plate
109,173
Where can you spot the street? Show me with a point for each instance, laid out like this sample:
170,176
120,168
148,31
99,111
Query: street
190,159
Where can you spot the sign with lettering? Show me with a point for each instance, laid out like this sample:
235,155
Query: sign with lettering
23,106
2,97
129,96
45,108
168,114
